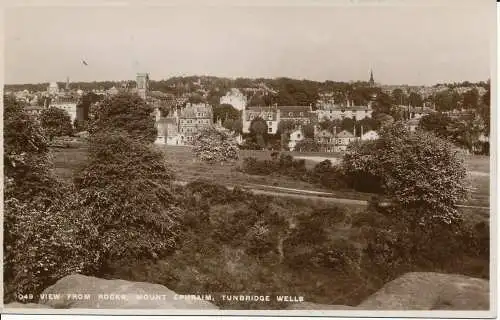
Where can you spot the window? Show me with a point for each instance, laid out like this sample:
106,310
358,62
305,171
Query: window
298,135
302,114
269,130
270,123
290,114
270,117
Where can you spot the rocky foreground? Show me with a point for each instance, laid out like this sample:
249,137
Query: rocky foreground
412,291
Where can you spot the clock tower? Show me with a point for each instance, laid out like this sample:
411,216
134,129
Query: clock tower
142,80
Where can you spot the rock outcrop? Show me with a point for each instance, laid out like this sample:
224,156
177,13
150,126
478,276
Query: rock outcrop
421,291
69,292
430,291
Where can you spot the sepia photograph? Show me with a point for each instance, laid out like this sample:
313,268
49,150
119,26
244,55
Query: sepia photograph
282,158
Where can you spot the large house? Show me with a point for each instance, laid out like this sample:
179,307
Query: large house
274,114
298,114
334,142
181,125
67,103
268,114
343,139
235,98
333,111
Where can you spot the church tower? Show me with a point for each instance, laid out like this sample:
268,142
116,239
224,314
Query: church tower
142,80
371,82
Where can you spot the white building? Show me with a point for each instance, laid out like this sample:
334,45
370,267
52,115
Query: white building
295,137
66,103
333,111
235,98
53,88
370,135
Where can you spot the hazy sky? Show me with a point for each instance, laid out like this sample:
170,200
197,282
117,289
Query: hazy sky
415,44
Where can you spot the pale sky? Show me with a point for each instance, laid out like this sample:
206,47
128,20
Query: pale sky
404,44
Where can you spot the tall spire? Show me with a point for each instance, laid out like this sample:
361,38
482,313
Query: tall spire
372,82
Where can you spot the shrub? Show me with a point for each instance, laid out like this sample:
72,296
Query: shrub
308,145
125,187
312,244
328,176
215,145
43,245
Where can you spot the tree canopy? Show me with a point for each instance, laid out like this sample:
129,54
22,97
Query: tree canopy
417,171
125,112
56,122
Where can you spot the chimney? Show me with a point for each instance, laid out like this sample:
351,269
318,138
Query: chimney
361,130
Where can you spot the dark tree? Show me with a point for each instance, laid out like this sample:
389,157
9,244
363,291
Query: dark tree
225,111
126,112
56,122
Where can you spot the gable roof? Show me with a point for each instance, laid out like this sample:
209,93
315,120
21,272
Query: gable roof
345,134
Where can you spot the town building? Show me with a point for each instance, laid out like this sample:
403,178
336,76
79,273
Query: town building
299,114
332,141
168,132
142,80
332,111
295,137
370,135
235,98
67,103
53,88
193,118
269,114
343,139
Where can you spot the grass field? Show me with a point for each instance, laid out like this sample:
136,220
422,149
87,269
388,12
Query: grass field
67,161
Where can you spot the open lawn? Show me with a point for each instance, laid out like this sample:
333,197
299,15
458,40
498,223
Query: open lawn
67,161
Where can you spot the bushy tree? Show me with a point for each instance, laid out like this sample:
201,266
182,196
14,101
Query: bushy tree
124,112
259,131
225,112
215,145
46,236
126,189
417,171
56,122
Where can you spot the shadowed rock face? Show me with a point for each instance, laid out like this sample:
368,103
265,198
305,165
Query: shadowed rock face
430,291
412,291
421,291
121,294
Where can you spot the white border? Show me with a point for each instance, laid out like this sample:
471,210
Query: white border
293,313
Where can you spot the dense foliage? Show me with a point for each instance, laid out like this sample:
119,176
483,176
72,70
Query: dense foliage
125,188
46,236
215,145
417,171
323,174
125,112
56,122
